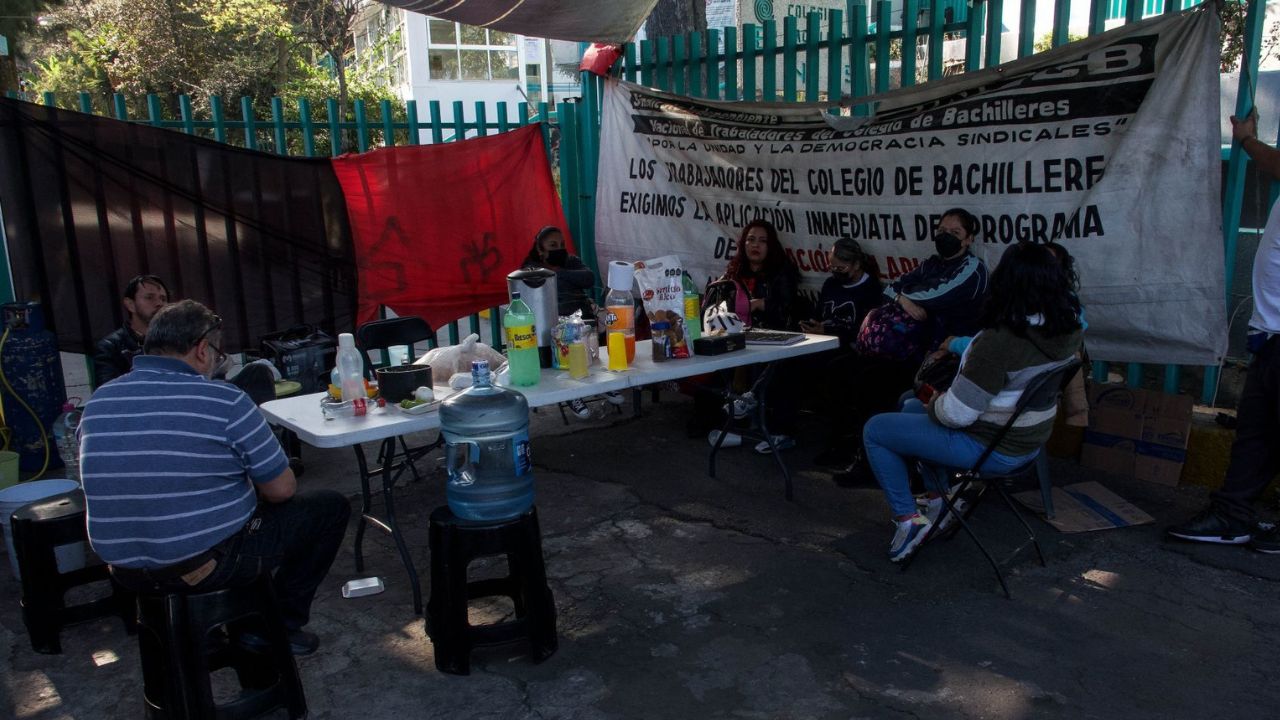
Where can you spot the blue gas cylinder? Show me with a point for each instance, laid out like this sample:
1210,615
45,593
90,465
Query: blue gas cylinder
33,369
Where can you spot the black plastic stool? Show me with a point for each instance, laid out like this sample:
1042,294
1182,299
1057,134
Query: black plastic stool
38,529
182,642
454,544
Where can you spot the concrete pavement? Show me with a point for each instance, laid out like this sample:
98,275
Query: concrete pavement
680,596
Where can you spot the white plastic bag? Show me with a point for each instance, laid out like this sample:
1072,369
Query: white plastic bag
446,362
717,320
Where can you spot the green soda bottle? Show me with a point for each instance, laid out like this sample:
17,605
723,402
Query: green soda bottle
692,311
522,343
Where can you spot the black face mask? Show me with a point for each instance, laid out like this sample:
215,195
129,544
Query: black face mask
558,257
947,245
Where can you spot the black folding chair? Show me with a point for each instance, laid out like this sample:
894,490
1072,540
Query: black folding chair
381,335
1041,394
392,462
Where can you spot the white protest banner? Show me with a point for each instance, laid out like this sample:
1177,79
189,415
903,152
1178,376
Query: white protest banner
1109,145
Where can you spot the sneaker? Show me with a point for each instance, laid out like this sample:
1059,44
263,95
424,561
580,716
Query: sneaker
933,508
301,642
741,406
1211,526
784,442
614,398
858,474
1266,539
908,535
578,407
730,439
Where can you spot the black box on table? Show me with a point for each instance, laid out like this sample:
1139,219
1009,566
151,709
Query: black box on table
303,353
719,344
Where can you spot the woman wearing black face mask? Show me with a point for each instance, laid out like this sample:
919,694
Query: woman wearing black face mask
574,280
847,296
947,290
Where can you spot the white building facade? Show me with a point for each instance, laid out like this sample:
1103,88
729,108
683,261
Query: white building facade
445,61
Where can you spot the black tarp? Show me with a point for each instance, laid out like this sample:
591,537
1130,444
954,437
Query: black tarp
90,202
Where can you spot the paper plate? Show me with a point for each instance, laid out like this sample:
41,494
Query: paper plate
285,388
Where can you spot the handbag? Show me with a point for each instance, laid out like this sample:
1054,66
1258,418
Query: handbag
936,374
890,333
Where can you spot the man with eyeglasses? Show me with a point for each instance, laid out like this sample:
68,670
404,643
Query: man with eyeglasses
187,489
143,298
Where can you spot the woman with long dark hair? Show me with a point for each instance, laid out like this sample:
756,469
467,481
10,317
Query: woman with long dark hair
1030,325
760,284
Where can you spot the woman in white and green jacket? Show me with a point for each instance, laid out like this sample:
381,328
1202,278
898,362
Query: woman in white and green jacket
1031,325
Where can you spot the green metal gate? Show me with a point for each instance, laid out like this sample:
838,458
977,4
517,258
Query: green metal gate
853,49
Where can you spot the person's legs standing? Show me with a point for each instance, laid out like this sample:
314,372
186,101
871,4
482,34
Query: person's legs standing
1255,458
1255,454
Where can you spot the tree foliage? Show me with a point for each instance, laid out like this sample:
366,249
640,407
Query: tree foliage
327,25
230,48
167,47
1233,14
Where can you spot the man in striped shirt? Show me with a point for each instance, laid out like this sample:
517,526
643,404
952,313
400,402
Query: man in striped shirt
187,489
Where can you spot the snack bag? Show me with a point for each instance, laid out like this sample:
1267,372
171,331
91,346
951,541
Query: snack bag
662,291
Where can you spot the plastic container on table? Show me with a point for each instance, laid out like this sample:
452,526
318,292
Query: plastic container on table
522,343
660,340
620,305
350,370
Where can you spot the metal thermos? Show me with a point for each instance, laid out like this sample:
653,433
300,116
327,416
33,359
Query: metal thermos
537,288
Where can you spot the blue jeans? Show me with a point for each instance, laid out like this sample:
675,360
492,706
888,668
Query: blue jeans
891,438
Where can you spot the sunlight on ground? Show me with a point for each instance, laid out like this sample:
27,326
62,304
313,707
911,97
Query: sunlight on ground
104,657
1101,578
40,696
943,683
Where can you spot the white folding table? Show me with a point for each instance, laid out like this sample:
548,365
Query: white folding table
302,416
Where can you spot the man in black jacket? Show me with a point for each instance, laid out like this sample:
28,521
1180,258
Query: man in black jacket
143,297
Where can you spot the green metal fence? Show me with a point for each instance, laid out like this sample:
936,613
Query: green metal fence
389,125
848,56
854,53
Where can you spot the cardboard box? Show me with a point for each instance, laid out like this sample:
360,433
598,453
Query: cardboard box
1137,432
1085,507
1109,453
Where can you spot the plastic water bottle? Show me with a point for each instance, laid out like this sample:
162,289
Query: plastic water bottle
486,431
522,343
620,305
350,367
64,438
692,311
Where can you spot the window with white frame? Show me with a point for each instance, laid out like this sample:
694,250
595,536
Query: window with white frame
465,52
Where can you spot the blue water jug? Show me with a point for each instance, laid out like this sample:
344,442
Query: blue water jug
486,434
